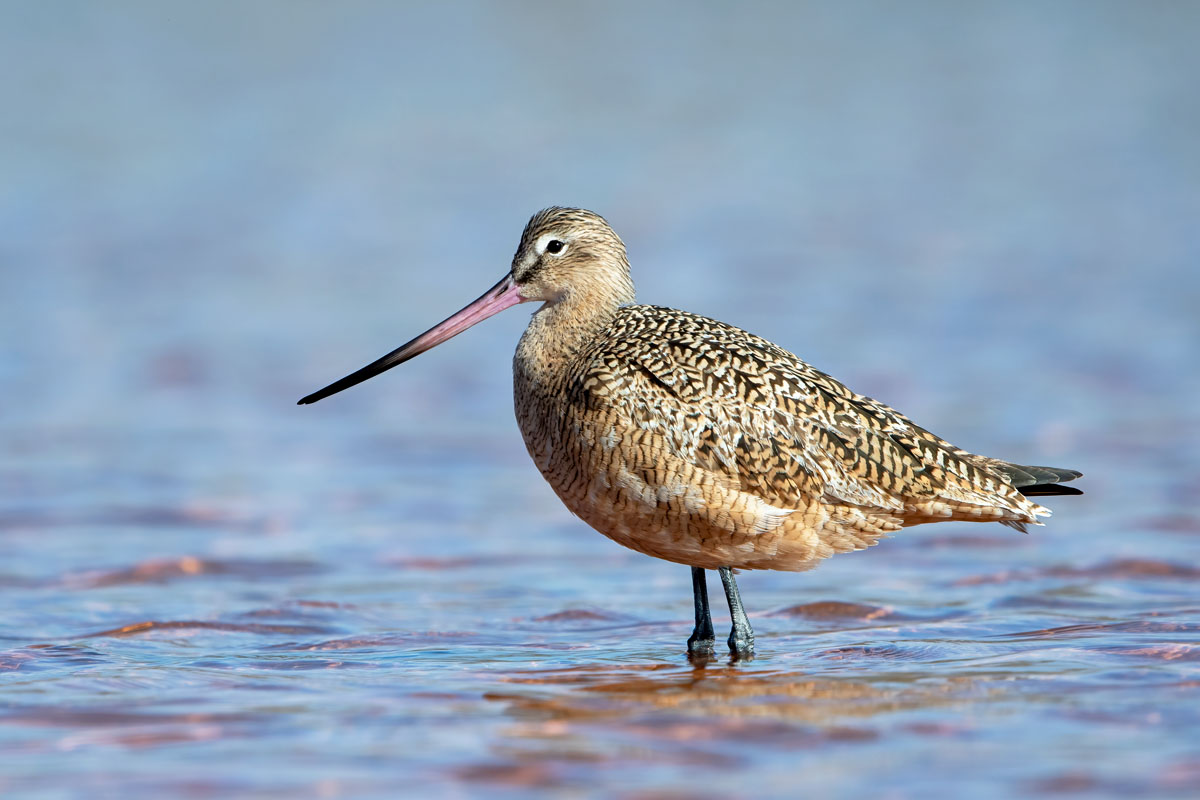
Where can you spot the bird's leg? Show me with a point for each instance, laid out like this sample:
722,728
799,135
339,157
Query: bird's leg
741,638
702,638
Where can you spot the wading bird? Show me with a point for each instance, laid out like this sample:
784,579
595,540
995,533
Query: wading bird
696,442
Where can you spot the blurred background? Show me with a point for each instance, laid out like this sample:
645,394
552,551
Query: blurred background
984,215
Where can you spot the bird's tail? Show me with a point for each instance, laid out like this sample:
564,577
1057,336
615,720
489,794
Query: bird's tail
1041,481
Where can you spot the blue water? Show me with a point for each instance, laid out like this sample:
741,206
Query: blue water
984,216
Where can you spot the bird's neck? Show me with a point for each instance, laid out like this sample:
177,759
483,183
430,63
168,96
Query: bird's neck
560,331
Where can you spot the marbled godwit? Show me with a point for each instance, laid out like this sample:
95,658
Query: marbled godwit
696,442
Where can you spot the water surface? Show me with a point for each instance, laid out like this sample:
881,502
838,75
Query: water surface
984,217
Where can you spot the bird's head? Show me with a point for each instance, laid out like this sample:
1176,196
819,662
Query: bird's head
570,252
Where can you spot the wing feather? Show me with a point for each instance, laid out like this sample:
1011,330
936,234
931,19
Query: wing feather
759,419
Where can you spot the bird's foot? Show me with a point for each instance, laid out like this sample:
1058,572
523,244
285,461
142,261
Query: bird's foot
700,644
741,645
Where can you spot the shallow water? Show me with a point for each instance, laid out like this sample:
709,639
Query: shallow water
986,219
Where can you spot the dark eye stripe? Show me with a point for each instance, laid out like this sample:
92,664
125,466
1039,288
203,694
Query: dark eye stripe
554,246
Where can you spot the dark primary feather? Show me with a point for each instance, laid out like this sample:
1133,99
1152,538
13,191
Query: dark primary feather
1047,489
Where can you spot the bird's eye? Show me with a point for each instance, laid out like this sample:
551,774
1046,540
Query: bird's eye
554,247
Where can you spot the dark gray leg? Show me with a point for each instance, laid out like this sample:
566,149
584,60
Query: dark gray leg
702,638
741,638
